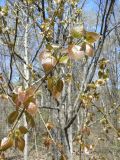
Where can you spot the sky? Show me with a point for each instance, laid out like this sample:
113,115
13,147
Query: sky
2,2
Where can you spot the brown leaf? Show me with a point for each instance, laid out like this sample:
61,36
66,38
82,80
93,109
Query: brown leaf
55,93
51,83
23,129
30,91
89,51
15,100
44,54
30,119
75,52
58,1
20,143
22,96
6,143
32,108
1,77
55,86
4,96
2,156
47,142
28,100
12,117
92,37
48,61
49,125
59,85
63,157
85,131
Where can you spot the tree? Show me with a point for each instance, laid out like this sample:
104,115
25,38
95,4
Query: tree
54,65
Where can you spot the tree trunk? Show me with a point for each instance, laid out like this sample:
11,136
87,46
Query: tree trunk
26,74
69,131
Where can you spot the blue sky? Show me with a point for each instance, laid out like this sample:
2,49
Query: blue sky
2,2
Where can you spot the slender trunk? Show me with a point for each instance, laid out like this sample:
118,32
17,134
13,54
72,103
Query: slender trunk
69,131
36,147
64,114
26,73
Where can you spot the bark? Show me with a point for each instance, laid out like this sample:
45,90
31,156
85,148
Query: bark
69,131
26,74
